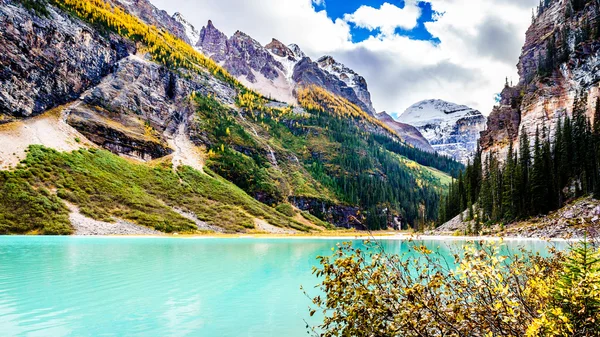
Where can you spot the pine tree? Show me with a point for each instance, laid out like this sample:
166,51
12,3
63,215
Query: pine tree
508,189
547,175
525,166
537,178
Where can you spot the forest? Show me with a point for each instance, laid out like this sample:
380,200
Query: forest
371,170
542,175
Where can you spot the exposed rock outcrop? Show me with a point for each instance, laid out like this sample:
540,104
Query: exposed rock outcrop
132,109
339,215
503,123
279,49
46,62
213,42
541,98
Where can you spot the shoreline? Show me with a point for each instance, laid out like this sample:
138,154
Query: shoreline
341,236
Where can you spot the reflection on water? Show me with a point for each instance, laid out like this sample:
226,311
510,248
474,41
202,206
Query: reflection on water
68,286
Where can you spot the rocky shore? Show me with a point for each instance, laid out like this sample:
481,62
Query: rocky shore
85,226
576,220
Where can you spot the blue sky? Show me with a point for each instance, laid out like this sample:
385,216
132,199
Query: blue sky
336,9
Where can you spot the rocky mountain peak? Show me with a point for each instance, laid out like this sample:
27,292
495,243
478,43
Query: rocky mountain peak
350,78
190,31
278,48
326,60
212,42
297,51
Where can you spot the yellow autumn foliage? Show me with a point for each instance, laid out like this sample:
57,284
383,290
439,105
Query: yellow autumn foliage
164,47
318,99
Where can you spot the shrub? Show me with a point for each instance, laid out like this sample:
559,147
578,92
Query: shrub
574,308
481,293
286,209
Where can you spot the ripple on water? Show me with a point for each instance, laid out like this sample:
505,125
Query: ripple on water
160,287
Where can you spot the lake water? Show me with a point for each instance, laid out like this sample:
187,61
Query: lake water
70,286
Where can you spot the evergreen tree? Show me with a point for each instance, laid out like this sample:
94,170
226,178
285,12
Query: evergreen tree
524,166
537,178
508,189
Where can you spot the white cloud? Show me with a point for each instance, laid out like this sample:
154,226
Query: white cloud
387,17
480,43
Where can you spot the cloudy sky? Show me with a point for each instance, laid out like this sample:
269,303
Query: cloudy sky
408,50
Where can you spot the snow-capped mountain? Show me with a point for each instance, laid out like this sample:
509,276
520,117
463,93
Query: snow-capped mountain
450,128
192,33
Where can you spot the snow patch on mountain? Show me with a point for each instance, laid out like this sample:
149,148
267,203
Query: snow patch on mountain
190,31
297,51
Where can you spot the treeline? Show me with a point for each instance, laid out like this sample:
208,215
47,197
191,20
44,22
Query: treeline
372,177
320,100
435,160
535,179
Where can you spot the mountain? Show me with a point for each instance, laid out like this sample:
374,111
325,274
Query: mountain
110,117
147,12
276,70
411,134
451,129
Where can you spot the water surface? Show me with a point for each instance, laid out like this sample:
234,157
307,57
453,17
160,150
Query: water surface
69,286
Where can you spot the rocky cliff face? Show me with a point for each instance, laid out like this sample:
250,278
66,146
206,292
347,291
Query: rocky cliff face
350,78
117,99
410,134
135,109
451,129
45,62
146,11
559,63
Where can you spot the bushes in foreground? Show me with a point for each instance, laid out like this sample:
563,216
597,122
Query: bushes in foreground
483,292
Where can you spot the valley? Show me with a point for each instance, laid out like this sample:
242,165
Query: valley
194,140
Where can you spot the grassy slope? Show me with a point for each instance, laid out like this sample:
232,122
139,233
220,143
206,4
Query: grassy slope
105,186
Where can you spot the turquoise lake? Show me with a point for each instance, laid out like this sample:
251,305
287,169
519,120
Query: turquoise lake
75,286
